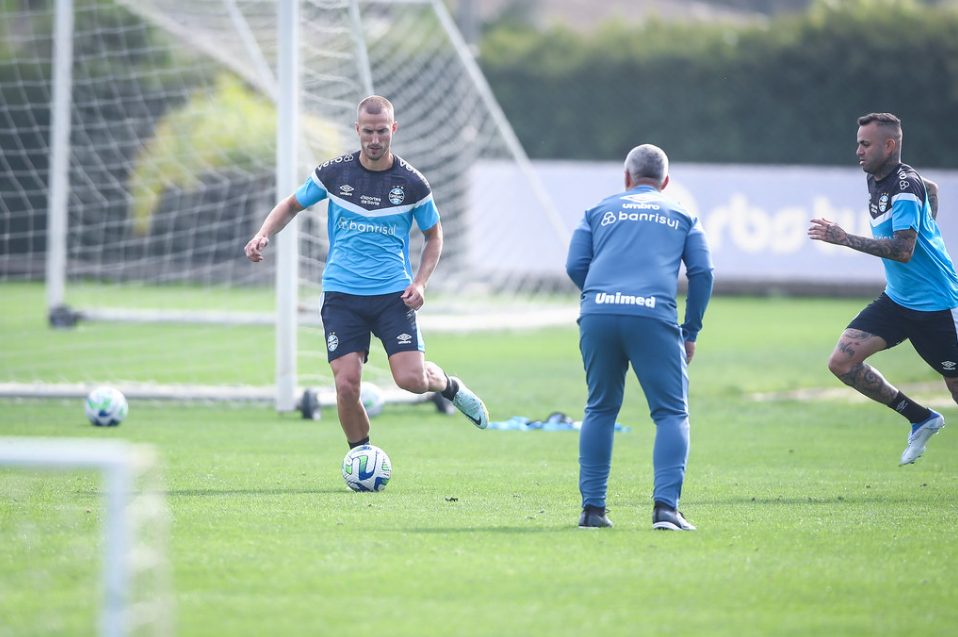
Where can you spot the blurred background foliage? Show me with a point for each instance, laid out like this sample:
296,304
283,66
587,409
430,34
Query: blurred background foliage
784,90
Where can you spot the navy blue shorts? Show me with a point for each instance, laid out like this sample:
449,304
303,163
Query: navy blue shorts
934,335
349,319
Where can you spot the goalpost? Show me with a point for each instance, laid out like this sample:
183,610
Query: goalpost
135,580
175,125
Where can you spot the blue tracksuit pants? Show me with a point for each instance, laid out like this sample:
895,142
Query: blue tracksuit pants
609,343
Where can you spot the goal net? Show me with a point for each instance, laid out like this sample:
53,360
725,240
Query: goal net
142,144
85,530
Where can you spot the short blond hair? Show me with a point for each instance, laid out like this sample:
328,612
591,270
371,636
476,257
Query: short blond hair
374,105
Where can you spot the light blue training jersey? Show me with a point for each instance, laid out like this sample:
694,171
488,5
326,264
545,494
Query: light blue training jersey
369,219
928,282
625,256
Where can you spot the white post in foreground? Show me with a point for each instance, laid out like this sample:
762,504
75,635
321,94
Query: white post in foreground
117,461
287,241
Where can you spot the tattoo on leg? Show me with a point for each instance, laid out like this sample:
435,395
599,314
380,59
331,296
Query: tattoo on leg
869,382
845,347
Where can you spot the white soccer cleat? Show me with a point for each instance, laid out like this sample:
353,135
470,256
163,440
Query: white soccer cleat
919,437
471,405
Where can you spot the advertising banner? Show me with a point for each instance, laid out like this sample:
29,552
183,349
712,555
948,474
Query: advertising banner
756,217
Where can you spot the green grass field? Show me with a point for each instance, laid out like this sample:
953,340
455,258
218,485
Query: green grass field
807,526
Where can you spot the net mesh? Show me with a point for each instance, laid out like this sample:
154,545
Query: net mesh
172,168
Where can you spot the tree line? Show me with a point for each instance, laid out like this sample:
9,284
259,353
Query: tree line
787,91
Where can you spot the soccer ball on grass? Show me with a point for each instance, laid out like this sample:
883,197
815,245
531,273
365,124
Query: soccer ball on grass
106,407
366,468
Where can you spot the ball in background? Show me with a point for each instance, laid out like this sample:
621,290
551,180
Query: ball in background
366,468
372,398
106,407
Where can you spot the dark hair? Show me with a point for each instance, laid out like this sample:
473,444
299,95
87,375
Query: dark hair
883,119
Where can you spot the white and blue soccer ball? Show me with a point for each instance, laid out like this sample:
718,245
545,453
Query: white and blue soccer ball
106,407
366,468
372,398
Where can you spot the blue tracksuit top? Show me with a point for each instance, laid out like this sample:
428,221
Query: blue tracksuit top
625,256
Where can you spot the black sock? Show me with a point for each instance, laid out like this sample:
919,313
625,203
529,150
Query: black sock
909,409
359,443
452,387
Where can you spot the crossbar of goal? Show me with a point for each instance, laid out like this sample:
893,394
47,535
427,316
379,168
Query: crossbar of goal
118,462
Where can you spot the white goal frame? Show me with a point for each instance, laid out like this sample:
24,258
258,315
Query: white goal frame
284,89
119,463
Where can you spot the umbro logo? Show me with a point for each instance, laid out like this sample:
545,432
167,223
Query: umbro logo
640,201
346,190
404,339
948,365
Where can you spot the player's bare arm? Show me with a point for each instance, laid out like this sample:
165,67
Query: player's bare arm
276,220
932,189
898,248
414,295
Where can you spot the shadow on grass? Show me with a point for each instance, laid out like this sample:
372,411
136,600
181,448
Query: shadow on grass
491,529
904,498
253,492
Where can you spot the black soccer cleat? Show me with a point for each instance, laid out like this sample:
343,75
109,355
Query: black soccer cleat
593,518
665,518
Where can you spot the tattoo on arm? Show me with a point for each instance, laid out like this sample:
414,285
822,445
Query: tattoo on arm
932,189
898,248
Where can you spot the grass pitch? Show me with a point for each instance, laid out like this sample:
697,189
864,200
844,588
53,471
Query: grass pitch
807,524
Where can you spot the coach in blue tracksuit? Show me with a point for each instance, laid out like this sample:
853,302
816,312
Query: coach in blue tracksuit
625,256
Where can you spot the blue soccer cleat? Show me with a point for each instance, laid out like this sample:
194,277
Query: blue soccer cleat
918,438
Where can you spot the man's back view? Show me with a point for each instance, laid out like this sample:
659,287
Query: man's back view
625,257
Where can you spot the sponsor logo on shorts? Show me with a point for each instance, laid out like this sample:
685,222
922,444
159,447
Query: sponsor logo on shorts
608,298
396,195
332,342
948,366
404,339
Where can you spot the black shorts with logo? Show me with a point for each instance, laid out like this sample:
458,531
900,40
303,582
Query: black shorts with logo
349,319
934,335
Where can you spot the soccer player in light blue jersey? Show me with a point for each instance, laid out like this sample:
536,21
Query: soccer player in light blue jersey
920,301
368,284
625,256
